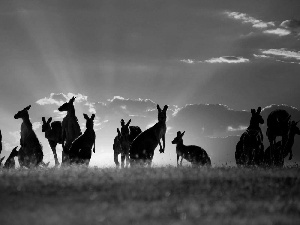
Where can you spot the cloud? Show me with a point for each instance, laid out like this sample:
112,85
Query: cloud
57,99
292,25
210,120
227,59
249,19
261,56
283,53
36,125
60,98
189,61
279,31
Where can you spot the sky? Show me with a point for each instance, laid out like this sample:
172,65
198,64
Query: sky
211,62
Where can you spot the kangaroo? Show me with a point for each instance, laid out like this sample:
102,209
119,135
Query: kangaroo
143,146
81,149
53,134
10,162
1,160
192,153
117,147
31,151
281,150
278,123
70,128
123,141
250,149
0,142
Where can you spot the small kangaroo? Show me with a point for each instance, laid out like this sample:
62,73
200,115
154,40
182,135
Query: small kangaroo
143,146
192,153
81,149
30,153
10,162
53,134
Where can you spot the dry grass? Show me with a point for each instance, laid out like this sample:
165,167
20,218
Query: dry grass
165,195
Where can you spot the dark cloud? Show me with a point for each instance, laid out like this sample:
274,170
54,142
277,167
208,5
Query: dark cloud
293,25
209,119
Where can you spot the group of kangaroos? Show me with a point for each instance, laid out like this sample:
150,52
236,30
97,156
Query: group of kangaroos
138,147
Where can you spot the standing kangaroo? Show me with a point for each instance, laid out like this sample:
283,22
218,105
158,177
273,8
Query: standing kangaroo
250,149
70,128
143,146
53,134
0,142
123,141
278,122
81,149
30,153
282,150
10,162
192,153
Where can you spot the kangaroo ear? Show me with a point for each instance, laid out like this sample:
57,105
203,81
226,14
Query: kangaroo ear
93,116
28,107
49,120
43,119
165,108
72,99
85,116
182,133
128,123
258,110
252,111
119,133
158,107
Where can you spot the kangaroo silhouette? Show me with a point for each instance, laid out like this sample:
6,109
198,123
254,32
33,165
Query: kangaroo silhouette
0,142
70,128
31,151
278,123
196,155
81,149
250,148
1,160
123,141
282,150
143,146
53,133
10,162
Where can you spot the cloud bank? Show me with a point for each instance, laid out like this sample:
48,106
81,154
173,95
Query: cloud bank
249,19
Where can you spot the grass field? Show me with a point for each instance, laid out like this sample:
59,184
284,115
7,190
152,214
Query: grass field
164,195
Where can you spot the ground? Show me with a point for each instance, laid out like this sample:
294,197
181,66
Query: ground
161,195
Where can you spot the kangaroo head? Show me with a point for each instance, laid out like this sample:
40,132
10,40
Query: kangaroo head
46,125
67,106
256,118
162,113
125,127
89,121
23,113
178,138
